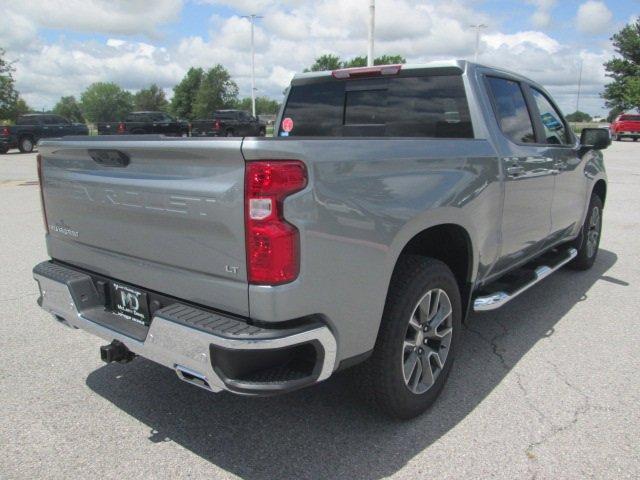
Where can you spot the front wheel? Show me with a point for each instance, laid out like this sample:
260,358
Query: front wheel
26,145
417,339
588,242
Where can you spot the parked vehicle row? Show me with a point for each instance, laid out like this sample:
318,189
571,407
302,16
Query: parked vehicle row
393,201
30,128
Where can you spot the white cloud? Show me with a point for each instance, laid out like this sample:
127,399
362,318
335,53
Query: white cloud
16,31
123,17
593,17
542,18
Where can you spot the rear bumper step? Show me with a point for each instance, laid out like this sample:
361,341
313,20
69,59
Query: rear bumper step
495,300
205,348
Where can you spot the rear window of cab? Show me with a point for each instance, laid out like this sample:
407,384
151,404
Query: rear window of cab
433,106
630,118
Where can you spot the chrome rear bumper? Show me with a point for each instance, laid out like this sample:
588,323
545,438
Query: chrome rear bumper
184,338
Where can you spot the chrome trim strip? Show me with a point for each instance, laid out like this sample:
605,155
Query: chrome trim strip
172,344
496,300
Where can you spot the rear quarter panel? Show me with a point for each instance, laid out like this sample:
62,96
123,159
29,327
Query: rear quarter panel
365,200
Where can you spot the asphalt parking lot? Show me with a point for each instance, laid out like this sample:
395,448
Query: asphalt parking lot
547,387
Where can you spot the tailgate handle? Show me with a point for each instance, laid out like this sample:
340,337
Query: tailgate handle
109,158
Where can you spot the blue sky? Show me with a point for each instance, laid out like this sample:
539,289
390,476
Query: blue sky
69,44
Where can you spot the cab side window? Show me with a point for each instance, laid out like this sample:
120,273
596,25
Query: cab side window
555,128
511,109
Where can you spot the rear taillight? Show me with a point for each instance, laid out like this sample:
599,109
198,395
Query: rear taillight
216,125
41,182
121,127
4,132
273,244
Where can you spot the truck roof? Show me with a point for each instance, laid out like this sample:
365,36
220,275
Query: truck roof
462,65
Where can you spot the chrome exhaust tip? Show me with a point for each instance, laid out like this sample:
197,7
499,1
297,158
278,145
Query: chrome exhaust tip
191,376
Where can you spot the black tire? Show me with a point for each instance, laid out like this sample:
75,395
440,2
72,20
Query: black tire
587,250
26,144
384,372
262,133
230,133
3,150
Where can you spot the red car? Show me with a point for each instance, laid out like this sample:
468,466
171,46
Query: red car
626,125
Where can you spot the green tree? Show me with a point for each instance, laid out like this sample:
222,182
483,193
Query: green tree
152,98
622,92
8,93
579,116
325,62
264,105
361,61
184,94
105,102
20,108
69,108
216,91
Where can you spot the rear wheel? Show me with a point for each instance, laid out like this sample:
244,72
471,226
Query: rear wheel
3,150
417,340
588,242
26,144
230,133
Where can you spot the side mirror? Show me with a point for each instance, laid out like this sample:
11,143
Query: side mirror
595,138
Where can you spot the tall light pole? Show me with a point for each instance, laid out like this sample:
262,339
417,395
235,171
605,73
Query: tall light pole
252,18
579,86
372,25
478,27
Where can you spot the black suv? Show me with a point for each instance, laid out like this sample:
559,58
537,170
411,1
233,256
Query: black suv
228,123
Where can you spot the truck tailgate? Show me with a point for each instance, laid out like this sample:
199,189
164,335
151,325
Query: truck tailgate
163,214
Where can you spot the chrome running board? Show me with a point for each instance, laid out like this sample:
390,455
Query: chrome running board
493,301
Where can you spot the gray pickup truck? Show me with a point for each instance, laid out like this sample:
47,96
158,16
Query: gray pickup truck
393,201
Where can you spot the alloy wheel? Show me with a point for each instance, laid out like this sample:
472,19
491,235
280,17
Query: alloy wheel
427,341
593,234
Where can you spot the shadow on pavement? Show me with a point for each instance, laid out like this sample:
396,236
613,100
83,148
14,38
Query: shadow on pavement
327,431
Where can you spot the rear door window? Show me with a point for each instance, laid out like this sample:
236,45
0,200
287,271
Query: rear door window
630,118
421,106
511,110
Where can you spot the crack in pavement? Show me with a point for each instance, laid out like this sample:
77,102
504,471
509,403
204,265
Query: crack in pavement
556,429
499,353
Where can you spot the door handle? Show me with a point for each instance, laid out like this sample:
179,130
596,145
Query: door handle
515,171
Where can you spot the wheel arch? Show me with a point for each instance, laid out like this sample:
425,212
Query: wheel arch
451,244
600,189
